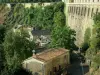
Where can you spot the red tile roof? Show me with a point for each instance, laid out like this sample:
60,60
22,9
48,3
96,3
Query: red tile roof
50,54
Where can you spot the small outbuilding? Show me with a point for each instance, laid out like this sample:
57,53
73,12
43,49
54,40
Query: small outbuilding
49,62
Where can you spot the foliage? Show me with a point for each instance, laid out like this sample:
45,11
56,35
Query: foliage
96,18
17,48
59,7
87,36
15,16
93,51
41,17
3,12
97,59
59,18
2,35
19,71
16,1
63,36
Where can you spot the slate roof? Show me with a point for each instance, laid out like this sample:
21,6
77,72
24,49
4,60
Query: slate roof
40,32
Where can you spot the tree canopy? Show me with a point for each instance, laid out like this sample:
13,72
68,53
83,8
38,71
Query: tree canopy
63,37
17,48
26,1
41,17
93,52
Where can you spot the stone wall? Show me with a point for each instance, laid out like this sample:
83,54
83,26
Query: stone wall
80,16
56,62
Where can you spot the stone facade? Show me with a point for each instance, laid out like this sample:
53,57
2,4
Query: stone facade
80,16
50,62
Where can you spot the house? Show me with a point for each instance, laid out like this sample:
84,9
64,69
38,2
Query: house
42,37
49,62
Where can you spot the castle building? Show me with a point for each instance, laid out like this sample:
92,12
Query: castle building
79,14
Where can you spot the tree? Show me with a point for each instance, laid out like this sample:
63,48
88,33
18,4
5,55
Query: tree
48,15
59,7
87,36
17,48
17,1
59,18
2,35
93,52
63,36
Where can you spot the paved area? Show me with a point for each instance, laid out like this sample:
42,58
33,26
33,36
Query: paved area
77,68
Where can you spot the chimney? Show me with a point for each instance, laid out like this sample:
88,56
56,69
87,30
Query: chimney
34,53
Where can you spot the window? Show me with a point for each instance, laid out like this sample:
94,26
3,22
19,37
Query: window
65,59
72,9
88,11
92,12
76,9
71,1
68,9
97,11
55,69
82,11
50,73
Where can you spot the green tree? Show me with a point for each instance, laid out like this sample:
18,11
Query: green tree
59,7
17,48
87,36
93,52
59,18
2,35
63,36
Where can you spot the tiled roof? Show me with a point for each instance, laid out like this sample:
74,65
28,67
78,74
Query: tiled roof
50,54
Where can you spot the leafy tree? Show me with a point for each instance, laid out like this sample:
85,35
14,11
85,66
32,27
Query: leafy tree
87,36
17,48
93,52
97,59
59,7
59,18
41,17
11,1
63,36
2,35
